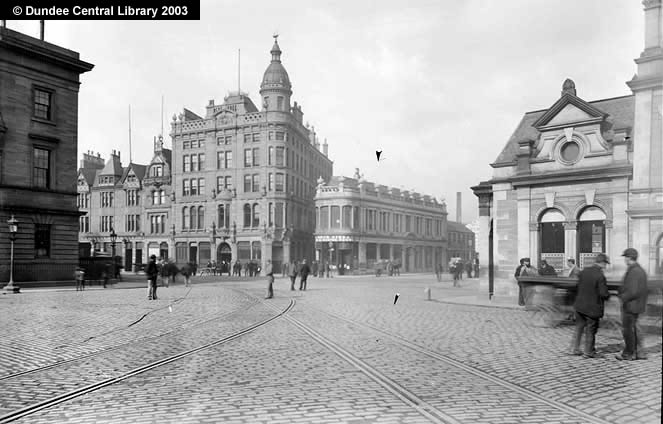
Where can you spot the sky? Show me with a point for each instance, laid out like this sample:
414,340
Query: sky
437,86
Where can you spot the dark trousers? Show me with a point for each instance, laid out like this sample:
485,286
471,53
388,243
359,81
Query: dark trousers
292,282
589,326
521,294
302,282
632,337
153,289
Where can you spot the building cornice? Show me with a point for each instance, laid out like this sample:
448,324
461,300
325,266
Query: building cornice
576,175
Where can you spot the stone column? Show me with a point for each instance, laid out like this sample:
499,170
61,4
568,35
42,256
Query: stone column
571,240
525,245
362,254
286,250
266,251
377,252
391,252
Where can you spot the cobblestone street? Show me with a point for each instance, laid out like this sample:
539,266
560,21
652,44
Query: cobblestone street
341,351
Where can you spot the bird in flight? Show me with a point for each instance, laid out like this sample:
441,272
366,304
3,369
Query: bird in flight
378,153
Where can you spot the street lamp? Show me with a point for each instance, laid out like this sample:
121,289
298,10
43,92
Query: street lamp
331,249
113,238
13,229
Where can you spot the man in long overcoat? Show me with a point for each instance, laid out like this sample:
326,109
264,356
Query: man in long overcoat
304,271
591,295
152,274
633,294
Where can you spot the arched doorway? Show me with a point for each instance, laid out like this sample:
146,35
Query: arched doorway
551,238
591,235
224,257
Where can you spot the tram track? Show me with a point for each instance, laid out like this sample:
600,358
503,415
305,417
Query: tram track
182,326
100,384
447,360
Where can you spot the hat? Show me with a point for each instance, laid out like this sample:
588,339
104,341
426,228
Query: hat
602,257
631,253
153,257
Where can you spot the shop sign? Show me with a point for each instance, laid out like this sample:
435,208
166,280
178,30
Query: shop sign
332,238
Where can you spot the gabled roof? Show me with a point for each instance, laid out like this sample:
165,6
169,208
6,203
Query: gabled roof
139,171
89,175
619,110
567,99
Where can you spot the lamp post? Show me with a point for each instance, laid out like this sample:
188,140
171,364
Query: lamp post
113,238
13,229
331,250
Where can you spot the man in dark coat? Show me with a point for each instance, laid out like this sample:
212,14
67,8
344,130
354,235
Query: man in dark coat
546,269
269,272
304,271
152,274
591,294
633,294
523,270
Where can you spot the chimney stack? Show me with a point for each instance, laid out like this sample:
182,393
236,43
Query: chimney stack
459,208
325,148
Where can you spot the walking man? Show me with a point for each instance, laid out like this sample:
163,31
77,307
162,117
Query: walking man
269,272
152,274
292,273
633,294
573,271
592,294
304,271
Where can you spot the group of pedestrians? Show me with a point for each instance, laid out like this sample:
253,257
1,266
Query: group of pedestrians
590,300
293,269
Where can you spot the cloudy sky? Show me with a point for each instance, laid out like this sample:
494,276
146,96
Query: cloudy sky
438,86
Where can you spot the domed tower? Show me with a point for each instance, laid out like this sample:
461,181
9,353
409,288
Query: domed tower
275,89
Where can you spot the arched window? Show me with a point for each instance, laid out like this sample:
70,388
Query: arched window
591,234
247,215
551,238
185,218
201,217
194,218
347,216
256,216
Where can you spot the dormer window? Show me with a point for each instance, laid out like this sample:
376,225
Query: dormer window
157,171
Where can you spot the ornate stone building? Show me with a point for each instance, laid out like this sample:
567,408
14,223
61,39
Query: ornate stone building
39,85
582,177
460,242
245,177
359,223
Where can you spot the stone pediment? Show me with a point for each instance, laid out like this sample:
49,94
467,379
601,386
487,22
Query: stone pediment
569,110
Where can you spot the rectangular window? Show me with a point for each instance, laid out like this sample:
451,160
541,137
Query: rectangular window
278,214
270,186
248,157
280,135
201,161
278,186
247,138
229,182
194,163
41,171
187,163
256,157
194,144
43,105
256,137
270,155
256,182
247,183
201,186
279,156
220,160
42,241
186,188
194,187
229,159
324,217
185,144
201,143
219,184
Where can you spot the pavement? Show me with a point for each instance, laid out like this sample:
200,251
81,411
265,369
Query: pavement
346,353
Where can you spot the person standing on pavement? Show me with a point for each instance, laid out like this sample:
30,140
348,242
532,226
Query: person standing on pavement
304,271
269,272
591,294
152,274
292,273
633,294
573,270
524,269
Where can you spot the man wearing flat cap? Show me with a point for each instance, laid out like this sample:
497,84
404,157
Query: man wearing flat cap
633,294
591,295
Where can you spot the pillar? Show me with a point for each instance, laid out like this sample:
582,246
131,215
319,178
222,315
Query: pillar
377,252
362,254
391,252
286,251
571,240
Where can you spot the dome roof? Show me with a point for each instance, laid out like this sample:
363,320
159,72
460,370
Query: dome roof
275,75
